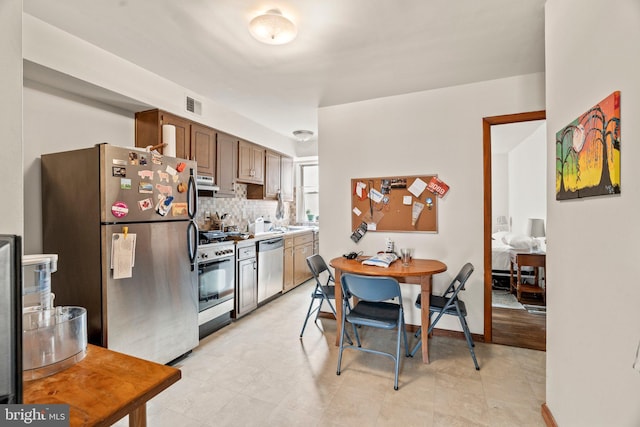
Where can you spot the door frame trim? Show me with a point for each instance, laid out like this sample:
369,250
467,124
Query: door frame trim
487,122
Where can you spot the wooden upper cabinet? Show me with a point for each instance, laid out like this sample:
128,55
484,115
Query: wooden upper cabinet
203,143
149,131
272,175
286,178
278,173
183,134
250,163
193,140
226,165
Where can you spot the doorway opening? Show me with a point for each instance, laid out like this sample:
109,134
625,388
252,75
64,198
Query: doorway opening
514,325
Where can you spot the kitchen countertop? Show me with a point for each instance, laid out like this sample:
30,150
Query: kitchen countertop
272,234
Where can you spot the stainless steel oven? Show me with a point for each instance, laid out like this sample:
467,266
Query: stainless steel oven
216,285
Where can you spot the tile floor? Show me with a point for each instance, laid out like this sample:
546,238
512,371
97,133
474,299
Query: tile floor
257,372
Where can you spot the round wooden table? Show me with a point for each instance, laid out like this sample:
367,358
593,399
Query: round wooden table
418,272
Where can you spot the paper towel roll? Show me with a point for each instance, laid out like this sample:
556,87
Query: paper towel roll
169,138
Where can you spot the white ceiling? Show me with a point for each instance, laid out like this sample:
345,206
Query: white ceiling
346,50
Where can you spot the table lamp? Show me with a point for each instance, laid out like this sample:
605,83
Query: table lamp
501,223
535,228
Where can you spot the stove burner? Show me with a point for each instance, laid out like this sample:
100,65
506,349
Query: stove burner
206,237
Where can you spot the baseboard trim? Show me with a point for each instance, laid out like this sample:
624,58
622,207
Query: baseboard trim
454,334
547,416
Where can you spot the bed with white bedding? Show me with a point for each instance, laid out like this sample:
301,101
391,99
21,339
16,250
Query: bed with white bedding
502,244
500,255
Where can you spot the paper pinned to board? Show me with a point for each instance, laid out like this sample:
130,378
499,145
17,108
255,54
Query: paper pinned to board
375,195
417,187
123,254
359,190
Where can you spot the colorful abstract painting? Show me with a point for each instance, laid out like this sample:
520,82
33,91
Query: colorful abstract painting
588,152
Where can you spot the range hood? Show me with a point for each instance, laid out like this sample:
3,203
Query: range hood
206,183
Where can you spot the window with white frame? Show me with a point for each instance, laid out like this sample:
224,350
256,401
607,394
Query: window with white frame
309,192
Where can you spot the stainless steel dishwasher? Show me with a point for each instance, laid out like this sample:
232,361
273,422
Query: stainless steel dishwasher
270,263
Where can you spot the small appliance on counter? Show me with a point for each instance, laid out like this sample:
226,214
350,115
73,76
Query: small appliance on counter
53,338
257,227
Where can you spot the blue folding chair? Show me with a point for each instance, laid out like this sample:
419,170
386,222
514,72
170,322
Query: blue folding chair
322,292
373,309
449,304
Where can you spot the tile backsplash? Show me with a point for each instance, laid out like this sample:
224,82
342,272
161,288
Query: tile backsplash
241,211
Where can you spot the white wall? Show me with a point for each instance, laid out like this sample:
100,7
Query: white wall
431,132
11,193
527,180
58,121
499,187
593,320
53,48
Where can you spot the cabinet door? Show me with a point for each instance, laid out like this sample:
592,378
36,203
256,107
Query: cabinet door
226,165
286,178
300,267
272,175
258,164
247,292
148,128
203,141
183,134
245,161
288,269
250,163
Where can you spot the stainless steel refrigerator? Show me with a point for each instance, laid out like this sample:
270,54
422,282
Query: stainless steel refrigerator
10,319
95,196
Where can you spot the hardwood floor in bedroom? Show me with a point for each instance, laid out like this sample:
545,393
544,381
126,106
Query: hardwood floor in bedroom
519,328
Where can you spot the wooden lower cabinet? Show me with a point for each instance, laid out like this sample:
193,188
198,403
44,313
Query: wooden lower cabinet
296,251
316,243
301,269
302,248
288,282
247,287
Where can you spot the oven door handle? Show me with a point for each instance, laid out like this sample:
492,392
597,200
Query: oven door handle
205,267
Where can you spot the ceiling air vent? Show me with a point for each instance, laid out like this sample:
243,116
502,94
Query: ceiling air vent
194,106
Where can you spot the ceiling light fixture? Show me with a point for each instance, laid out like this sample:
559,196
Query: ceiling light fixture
302,135
272,28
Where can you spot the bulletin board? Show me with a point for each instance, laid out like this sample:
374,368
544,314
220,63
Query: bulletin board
391,204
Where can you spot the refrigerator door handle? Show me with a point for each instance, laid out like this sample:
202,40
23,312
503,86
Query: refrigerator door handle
192,196
192,243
